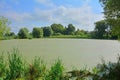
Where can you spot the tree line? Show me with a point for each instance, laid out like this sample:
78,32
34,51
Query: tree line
102,30
39,32
53,30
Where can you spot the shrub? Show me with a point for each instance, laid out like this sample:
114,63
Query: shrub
16,65
56,71
108,71
37,32
57,34
36,70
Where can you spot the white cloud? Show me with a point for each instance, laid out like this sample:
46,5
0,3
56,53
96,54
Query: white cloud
82,17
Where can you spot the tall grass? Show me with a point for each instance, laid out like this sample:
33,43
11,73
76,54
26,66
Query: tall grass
36,70
2,67
15,65
56,71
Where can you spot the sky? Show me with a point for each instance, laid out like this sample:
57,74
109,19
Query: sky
39,13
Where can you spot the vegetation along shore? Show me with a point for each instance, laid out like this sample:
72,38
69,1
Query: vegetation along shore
14,67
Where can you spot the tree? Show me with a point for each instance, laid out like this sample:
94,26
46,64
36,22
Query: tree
100,29
112,14
9,35
80,32
37,32
47,31
70,30
57,28
23,33
4,26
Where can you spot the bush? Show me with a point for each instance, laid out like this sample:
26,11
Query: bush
15,66
37,32
56,71
36,70
57,34
108,71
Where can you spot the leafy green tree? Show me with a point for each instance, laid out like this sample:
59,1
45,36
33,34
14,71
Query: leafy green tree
80,32
10,35
100,29
70,29
47,31
4,26
23,33
112,14
57,28
37,32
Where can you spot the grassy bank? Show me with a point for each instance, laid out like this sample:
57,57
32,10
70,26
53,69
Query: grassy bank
71,36
14,67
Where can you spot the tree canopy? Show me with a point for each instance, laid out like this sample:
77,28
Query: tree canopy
4,26
70,29
57,28
47,31
112,14
100,29
37,32
23,33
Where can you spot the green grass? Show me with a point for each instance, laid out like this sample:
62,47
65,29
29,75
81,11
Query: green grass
70,36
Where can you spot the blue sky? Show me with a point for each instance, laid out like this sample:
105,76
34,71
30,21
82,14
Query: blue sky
40,13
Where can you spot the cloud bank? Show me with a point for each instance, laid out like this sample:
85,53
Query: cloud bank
82,17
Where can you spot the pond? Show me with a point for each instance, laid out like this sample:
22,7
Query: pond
74,53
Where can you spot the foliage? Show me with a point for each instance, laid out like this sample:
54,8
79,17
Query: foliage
57,34
56,71
23,33
30,36
112,14
10,35
36,70
80,74
16,69
57,28
15,66
47,31
104,29
80,32
70,29
108,71
2,66
115,23
71,36
37,32
100,29
4,26
111,8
